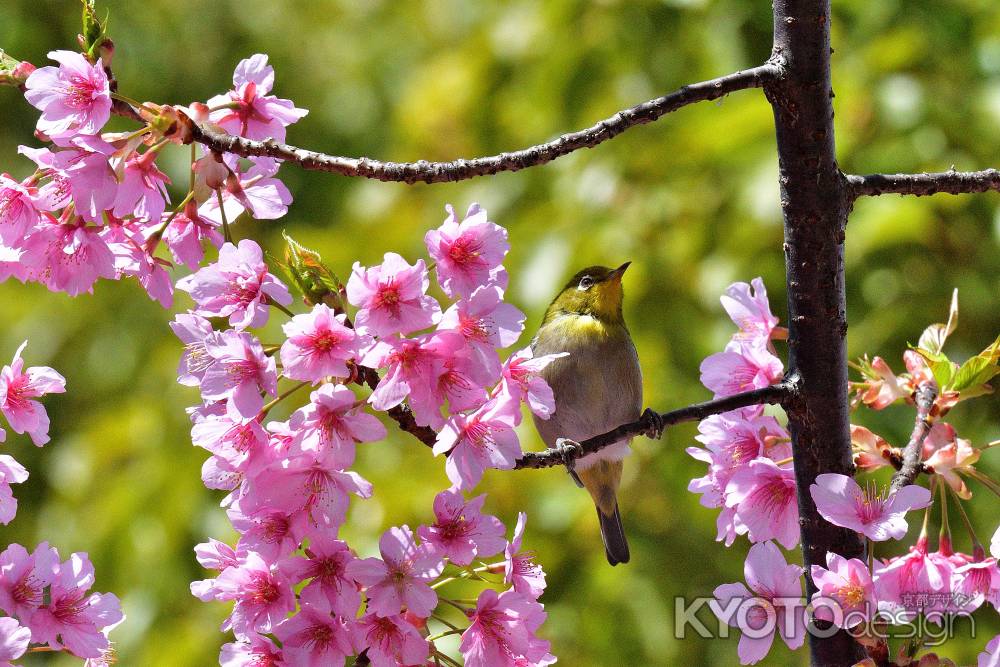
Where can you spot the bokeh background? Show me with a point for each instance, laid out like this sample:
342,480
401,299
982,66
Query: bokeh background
691,200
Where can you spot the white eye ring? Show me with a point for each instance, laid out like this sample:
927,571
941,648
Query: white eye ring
585,284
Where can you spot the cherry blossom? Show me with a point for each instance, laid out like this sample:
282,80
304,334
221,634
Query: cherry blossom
462,533
486,322
186,233
238,286
14,640
262,593
521,381
67,256
11,472
749,309
313,637
258,652
248,110
391,641
947,454
400,577
772,597
73,98
73,618
318,345
903,584
842,502
18,388
990,657
326,564
764,497
468,253
82,177
391,297
734,371
238,372
331,423
502,631
18,212
845,594
520,569
484,439
24,578
192,330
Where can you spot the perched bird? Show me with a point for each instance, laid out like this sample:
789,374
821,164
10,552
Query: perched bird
597,387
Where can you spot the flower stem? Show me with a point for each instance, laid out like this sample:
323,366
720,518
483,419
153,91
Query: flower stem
272,302
444,621
965,519
154,238
983,479
193,160
456,631
282,396
226,233
944,537
450,661
454,604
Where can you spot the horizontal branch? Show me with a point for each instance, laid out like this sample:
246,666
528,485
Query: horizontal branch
457,170
950,182
775,393
912,454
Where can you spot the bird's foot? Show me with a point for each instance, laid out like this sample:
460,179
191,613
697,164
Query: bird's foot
569,451
655,431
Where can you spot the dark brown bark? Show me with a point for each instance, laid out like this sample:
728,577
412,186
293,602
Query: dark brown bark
815,203
912,465
949,182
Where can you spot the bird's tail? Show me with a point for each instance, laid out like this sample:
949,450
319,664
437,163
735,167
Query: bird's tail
615,544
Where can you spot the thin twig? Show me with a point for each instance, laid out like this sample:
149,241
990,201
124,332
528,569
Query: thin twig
776,393
924,398
949,182
457,170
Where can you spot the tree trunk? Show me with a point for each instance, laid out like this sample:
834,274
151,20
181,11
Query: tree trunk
815,202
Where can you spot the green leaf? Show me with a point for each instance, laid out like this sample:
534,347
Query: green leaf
933,338
941,367
314,279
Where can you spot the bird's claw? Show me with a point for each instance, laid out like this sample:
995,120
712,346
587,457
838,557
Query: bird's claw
655,431
569,451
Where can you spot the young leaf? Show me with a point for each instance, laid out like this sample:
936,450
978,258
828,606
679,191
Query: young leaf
933,338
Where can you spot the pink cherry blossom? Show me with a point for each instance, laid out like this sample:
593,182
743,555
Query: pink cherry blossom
262,595
326,564
186,233
73,618
11,472
67,256
520,569
468,253
258,652
82,177
391,641
73,98
484,319
772,599
990,657
502,631
764,497
14,640
947,454
845,594
391,297
521,381
216,555
734,371
266,532
18,388
869,449
400,577
143,189
978,580
238,372
881,387
904,584
192,330
256,192
842,502
24,577
484,439
133,258
256,115
457,375
461,532
318,345
238,286
306,486
331,423
410,371
314,637
18,213
749,309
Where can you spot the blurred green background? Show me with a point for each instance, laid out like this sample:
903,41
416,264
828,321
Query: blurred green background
691,200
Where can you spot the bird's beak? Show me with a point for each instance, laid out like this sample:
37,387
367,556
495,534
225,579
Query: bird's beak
616,275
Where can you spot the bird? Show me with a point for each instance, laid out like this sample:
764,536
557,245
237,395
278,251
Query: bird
597,387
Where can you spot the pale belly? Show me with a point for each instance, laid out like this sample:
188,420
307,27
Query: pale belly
597,388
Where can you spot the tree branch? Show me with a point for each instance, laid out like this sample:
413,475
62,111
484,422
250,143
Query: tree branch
776,393
457,170
912,464
950,182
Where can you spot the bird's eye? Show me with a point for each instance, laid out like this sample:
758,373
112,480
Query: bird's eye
585,283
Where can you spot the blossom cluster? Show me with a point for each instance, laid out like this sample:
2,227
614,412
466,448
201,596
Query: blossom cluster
750,478
97,205
46,600
297,590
